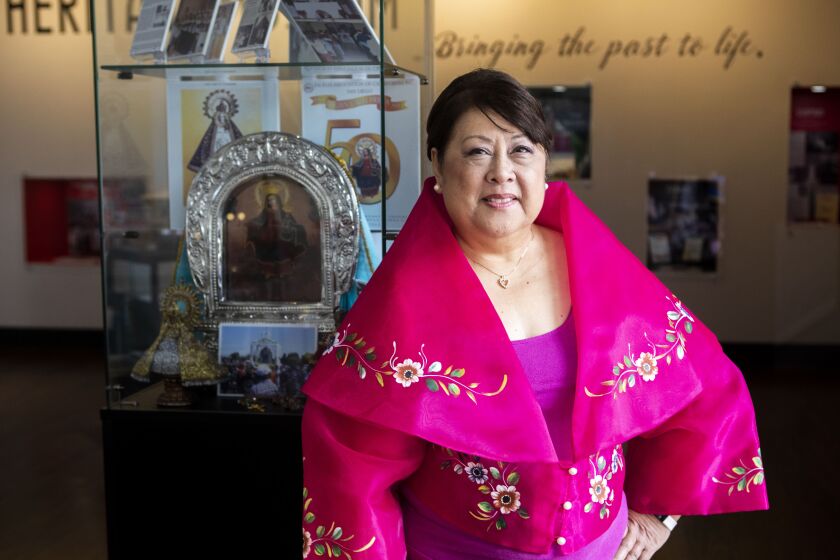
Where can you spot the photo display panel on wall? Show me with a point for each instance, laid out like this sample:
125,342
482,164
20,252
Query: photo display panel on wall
203,117
343,114
814,164
189,34
684,225
568,113
258,17
152,24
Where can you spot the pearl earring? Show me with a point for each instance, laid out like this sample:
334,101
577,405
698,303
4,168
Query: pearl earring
436,188
546,186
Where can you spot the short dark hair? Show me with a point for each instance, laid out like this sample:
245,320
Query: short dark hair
489,91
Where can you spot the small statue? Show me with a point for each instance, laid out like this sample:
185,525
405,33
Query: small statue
175,354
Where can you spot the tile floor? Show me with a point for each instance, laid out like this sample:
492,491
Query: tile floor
52,496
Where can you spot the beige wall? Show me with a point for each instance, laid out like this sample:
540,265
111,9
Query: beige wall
688,115
46,130
669,115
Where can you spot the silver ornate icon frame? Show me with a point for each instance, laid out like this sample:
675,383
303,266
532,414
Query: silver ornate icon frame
325,180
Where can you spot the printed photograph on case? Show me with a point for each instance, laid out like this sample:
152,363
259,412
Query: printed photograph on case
258,17
266,360
568,113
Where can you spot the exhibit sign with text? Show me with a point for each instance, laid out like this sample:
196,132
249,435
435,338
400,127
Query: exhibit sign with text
344,115
814,164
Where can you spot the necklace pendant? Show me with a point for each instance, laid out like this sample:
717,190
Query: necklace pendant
503,281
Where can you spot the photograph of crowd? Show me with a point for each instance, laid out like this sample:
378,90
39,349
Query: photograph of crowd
266,361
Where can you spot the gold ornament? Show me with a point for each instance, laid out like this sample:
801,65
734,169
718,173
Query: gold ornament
176,354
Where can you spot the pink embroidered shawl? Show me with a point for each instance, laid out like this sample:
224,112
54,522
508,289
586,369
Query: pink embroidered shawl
422,358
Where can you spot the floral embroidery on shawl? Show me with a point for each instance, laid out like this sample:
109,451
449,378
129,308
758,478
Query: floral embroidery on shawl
352,350
498,482
742,475
330,541
646,364
599,478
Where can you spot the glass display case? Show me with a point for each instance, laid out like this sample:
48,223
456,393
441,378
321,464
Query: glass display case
247,192
255,158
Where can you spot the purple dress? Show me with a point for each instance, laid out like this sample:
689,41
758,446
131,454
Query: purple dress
429,538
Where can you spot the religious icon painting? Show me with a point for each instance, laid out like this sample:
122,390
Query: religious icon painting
344,114
272,242
62,221
814,155
684,224
266,360
203,117
189,33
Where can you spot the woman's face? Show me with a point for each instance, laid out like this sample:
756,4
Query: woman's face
492,179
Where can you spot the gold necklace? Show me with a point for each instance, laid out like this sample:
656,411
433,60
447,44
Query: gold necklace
503,280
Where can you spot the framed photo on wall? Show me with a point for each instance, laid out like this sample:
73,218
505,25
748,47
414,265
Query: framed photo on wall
568,113
684,224
814,163
266,360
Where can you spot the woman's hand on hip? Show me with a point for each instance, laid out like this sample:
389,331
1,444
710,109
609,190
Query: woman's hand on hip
644,536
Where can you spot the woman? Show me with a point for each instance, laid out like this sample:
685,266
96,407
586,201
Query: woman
475,402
